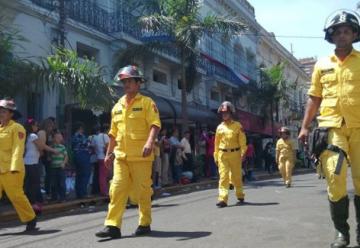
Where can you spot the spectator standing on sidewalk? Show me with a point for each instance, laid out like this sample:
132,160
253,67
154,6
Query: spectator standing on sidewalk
187,155
165,148
230,147
100,143
250,161
176,149
201,154
135,123
81,150
210,143
156,172
285,155
269,157
12,169
47,128
57,168
33,170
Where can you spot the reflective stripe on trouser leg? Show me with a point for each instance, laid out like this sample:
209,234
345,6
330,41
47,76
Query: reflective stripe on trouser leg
12,184
224,168
119,191
236,174
141,182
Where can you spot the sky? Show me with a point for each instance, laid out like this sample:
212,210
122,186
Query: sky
300,18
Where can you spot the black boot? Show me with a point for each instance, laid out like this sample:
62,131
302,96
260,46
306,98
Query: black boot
142,230
339,214
357,211
109,232
31,225
221,204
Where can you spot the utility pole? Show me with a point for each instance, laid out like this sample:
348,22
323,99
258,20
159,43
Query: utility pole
62,19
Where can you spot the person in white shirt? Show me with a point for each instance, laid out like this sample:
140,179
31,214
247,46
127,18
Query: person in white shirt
100,143
33,170
187,152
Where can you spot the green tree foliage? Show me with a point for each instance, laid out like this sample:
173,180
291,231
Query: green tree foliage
271,90
82,78
183,24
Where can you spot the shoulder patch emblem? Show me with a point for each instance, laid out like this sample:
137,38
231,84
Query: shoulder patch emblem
21,135
155,108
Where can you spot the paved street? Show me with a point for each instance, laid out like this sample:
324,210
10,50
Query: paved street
274,217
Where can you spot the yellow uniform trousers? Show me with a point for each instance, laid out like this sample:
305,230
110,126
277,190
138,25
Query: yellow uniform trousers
134,177
12,184
286,166
230,162
347,139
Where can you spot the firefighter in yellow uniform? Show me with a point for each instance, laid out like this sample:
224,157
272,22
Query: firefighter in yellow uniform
285,155
230,147
12,168
335,89
134,127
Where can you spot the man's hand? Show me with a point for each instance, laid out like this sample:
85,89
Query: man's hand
148,148
109,159
304,135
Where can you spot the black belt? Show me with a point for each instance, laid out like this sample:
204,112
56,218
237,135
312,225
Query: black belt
230,150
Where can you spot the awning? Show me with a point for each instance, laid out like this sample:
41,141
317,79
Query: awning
256,124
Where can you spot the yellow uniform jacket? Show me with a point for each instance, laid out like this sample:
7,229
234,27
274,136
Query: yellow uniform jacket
130,126
338,84
285,149
229,136
12,143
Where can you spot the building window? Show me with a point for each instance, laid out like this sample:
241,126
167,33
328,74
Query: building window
209,46
214,95
159,77
250,64
86,52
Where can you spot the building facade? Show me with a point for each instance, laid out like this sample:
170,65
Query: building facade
102,28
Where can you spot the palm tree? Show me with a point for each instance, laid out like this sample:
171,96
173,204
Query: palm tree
83,78
181,22
272,89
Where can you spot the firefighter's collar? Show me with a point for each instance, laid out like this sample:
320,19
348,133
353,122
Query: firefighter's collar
123,99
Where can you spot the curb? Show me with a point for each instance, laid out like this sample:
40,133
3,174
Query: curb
168,191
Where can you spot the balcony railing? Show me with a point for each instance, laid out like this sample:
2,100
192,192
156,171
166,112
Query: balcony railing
90,14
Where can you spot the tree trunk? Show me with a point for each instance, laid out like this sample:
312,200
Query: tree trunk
184,112
272,121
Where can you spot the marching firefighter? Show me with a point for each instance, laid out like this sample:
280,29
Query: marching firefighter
230,147
135,124
285,155
12,168
335,89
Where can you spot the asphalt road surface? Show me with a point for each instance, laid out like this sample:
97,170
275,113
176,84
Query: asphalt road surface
274,216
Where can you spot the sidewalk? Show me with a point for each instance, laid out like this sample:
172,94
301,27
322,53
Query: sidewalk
7,213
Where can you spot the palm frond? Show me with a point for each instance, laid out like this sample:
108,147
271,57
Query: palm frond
220,24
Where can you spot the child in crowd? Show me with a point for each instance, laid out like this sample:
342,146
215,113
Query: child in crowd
57,165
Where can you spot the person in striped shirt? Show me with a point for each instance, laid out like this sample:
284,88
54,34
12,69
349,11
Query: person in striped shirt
57,165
